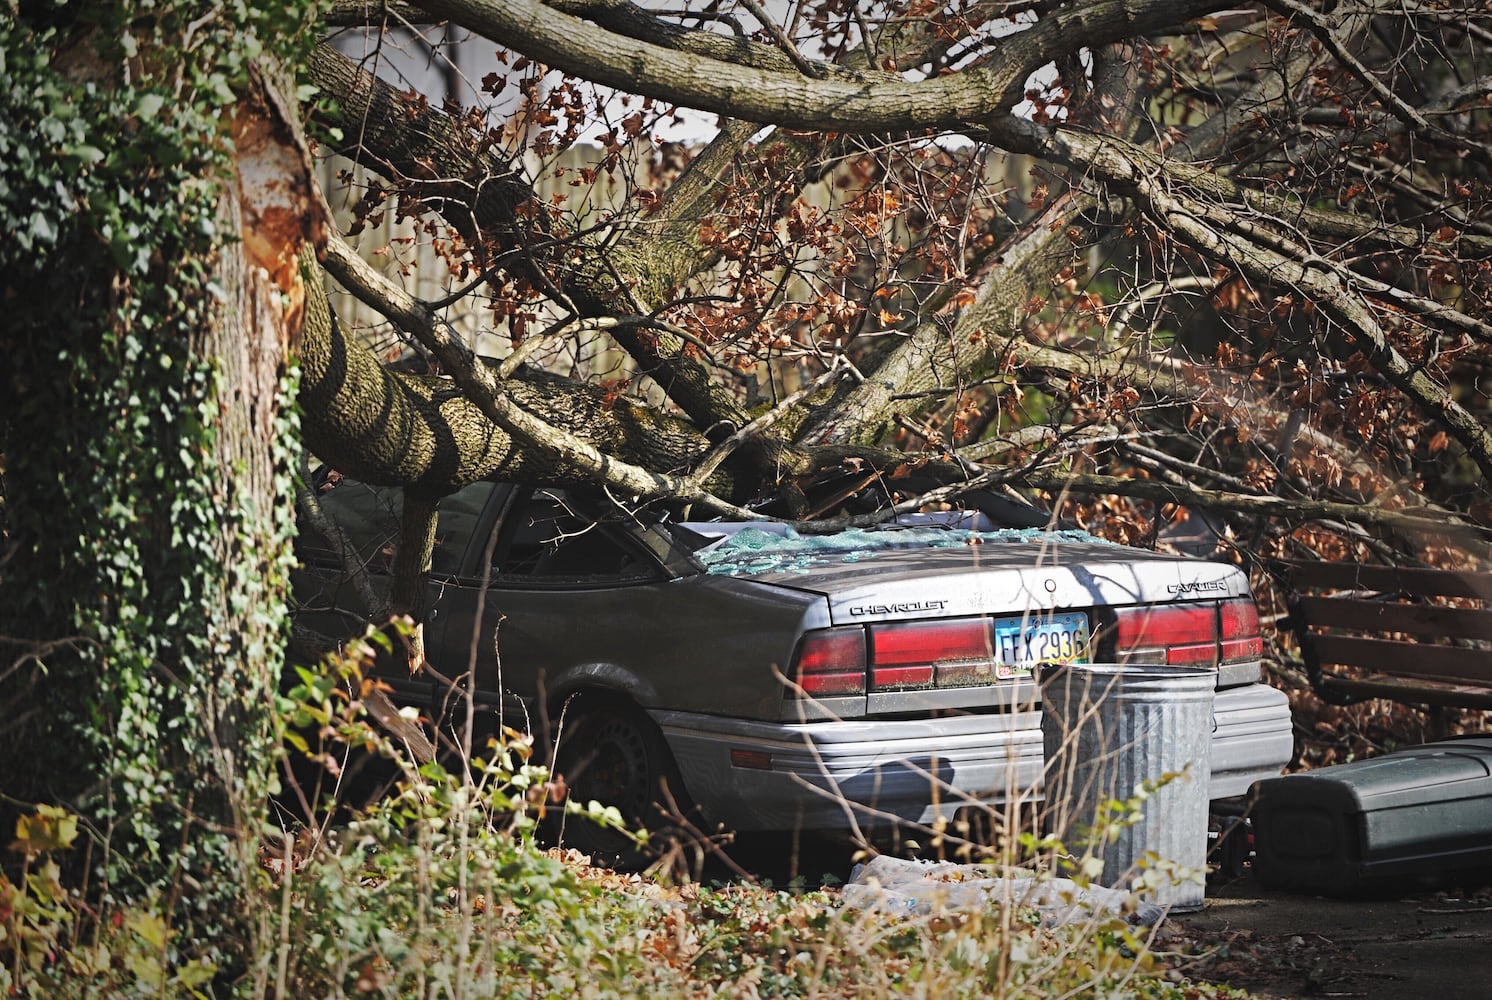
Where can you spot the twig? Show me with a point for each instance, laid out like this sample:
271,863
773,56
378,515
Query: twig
1269,506
786,43
482,388
723,450
1155,290
916,427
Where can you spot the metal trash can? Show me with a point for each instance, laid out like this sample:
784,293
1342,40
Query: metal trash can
1107,729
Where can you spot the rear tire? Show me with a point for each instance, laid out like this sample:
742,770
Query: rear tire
612,753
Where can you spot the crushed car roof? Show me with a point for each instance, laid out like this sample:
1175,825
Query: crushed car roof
749,550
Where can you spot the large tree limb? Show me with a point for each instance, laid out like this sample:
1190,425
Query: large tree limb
883,103
424,433
1401,237
621,17
561,454
435,435
1212,229
939,355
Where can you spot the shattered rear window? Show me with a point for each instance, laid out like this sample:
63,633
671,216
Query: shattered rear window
783,550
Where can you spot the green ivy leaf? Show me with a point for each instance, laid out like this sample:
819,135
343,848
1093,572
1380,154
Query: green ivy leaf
89,155
43,230
149,106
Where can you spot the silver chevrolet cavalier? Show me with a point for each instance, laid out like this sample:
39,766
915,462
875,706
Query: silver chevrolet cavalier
772,679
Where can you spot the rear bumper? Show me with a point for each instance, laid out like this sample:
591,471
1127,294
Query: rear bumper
845,774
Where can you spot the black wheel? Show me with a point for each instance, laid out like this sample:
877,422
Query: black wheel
614,754
1234,849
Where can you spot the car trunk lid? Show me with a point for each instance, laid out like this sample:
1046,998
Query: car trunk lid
870,576
929,619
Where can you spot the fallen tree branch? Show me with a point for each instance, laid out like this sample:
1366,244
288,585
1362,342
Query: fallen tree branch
762,423
309,506
1263,506
484,391
1213,230
380,609
883,102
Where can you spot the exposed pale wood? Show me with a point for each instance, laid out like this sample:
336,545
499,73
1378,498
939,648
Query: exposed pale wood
409,733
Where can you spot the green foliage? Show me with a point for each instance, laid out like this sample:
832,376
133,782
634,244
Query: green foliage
1080,857
441,890
143,587
42,953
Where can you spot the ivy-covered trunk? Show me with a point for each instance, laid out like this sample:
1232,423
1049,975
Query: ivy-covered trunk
157,196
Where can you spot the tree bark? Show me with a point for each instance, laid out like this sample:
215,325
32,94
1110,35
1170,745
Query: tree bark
882,103
147,477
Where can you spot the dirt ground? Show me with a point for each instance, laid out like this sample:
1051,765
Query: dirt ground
1430,947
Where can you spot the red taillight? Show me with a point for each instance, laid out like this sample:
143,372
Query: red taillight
1167,625
1169,633
1190,633
919,654
832,661
930,642
1242,639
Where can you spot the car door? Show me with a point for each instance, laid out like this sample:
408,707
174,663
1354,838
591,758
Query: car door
531,554
579,594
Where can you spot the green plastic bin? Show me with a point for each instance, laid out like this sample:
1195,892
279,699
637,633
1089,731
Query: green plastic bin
1419,818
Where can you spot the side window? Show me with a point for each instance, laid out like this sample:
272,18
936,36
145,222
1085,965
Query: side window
455,521
546,537
369,518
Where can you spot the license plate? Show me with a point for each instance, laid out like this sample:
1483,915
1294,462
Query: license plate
1021,643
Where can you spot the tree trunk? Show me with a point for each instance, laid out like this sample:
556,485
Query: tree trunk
147,446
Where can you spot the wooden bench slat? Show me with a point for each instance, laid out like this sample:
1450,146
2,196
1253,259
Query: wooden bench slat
1436,668
1412,659
1390,579
1383,616
1455,695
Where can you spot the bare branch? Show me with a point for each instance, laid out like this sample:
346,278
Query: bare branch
1264,506
483,390
883,103
783,42
359,13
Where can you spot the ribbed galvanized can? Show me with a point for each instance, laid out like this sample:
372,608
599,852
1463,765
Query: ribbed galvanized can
1107,730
